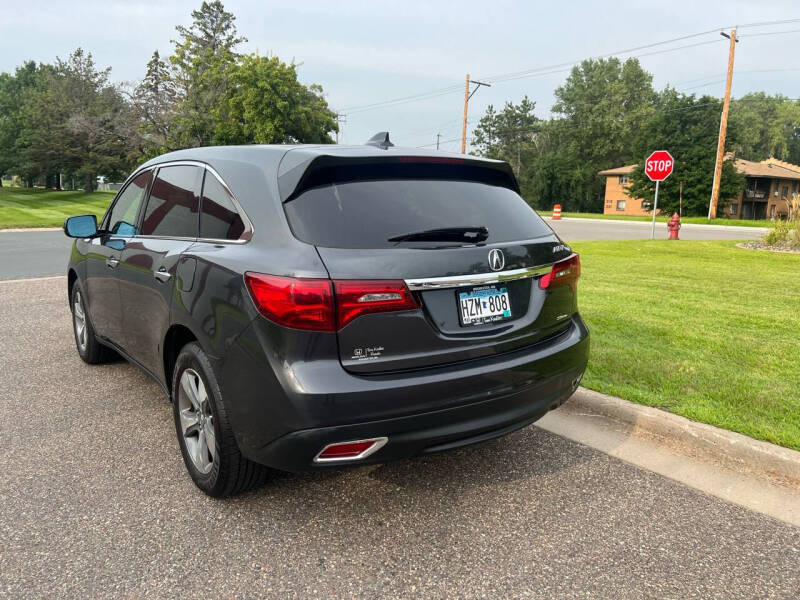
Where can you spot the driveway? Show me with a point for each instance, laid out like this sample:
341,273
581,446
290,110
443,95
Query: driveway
95,503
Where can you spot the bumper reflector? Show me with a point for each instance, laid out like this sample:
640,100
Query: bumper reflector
353,450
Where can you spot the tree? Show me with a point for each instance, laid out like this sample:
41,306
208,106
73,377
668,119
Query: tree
75,122
14,92
153,100
603,102
203,64
687,127
268,105
505,135
767,125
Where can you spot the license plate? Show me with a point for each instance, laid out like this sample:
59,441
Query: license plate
482,305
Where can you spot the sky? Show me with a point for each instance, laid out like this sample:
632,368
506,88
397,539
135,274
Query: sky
367,52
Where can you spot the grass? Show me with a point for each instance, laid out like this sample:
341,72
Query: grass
702,329
37,207
664,219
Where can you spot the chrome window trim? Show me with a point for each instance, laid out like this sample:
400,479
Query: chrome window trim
248,224
437,283
247,234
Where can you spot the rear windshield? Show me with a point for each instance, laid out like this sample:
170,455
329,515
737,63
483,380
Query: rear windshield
366,214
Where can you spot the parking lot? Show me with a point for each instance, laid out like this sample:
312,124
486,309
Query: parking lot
96,502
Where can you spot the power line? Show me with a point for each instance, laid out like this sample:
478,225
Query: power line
749,35
556,68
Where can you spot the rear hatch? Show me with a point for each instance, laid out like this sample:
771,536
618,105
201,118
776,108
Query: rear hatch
455,233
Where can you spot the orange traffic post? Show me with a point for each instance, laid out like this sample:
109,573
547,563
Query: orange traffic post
557,212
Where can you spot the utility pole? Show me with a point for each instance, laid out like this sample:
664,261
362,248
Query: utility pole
438,135
340,119
723,127
467,96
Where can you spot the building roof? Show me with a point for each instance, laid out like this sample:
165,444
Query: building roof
772,167
620,170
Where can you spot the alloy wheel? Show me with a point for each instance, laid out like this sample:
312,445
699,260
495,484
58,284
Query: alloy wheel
197,421
79,318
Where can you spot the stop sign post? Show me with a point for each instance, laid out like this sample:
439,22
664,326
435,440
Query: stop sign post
658,167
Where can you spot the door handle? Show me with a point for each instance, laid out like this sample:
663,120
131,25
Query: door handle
162,274
112,262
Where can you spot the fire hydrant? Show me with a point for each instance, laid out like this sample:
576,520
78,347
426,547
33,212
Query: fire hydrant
673,225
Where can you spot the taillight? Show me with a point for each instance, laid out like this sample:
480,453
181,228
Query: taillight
292,302
564,272
355,298
322,304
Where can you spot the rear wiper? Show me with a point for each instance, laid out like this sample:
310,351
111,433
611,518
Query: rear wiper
446,234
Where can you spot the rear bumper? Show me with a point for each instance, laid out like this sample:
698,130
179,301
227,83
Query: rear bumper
284,416
423,433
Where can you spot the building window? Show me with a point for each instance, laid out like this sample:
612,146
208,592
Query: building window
623,179
771,211
784,192
734,209
794,188
620,204
645,205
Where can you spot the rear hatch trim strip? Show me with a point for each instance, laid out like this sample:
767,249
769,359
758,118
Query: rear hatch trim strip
435,283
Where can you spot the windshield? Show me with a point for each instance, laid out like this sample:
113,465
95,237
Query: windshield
376,214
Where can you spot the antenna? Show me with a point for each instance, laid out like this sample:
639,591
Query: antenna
380,140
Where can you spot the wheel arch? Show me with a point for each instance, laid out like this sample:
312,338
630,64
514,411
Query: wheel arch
72,277
175,339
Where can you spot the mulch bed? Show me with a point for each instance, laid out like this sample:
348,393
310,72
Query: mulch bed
784,247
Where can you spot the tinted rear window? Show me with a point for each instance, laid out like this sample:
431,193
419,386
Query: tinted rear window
366,214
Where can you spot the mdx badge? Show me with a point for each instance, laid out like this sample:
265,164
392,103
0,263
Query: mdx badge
496,259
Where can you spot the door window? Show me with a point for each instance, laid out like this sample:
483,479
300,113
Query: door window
219,219
172,209
121,221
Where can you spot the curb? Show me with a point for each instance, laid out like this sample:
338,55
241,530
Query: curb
718,444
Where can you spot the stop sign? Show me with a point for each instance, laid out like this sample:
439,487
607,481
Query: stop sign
658,165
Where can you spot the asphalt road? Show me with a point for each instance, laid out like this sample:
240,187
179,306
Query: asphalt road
581,230
95,502
42,253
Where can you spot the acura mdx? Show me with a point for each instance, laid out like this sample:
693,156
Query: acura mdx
306,307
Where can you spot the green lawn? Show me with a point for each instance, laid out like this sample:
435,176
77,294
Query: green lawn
702,329
21,207
664,219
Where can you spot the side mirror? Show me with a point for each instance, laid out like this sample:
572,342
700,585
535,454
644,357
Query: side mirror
82,226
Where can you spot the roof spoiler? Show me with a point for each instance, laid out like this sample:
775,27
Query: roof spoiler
325,169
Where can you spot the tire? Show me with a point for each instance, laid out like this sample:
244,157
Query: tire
89,349
207,443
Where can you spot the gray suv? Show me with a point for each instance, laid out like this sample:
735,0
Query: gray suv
308,307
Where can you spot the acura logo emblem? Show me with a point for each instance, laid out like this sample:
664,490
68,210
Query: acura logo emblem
496,259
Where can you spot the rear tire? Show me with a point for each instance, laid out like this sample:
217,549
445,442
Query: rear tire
89,349
207,443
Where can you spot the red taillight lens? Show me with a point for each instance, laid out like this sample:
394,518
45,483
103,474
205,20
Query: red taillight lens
355,298
565,272
292,302
309,303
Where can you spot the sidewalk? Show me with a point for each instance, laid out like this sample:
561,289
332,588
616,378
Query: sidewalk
754,474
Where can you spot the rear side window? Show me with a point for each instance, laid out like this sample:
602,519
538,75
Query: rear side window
172,209
219,219
366,214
